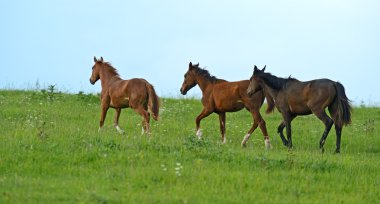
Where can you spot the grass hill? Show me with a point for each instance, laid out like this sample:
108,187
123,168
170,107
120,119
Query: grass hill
51,152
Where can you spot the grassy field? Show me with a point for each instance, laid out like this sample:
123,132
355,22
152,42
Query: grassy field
51,152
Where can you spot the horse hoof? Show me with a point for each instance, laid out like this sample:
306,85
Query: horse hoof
199,134
268,146
337,151
322,150
119,129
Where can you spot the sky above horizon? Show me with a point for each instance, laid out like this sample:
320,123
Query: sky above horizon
54,42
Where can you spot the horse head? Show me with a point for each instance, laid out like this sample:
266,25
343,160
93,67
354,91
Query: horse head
255,81
189,81
95,76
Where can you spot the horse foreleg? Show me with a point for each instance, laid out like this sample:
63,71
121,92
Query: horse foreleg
103,116
287,119
203,114
280,130
116,121
248,135
257,121
222,121
289,133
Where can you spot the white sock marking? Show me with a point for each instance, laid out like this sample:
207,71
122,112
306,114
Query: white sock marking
119,129
267,143
245,139
199,133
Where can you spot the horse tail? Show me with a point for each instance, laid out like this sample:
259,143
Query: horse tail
153,101
270,103
344,106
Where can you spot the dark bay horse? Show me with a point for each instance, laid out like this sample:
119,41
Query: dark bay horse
116,93
221,96
293,97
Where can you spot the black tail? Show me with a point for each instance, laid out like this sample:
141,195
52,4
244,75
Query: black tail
344,106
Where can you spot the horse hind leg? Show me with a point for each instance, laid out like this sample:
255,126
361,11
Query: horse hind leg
328,122
338,127
280,131
146,118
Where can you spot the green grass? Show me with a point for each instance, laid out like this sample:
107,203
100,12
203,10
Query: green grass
51,152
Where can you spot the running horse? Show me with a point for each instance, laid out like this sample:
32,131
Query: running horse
221,96
293,98
135,93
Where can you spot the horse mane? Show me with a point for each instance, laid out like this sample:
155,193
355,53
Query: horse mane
275,82
111,69
205,74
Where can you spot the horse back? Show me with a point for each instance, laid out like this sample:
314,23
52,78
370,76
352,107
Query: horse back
304,97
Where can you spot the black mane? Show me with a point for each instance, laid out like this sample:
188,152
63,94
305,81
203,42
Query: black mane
205,74
275,82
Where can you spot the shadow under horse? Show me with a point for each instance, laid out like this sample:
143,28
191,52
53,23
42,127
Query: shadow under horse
117,93
220,96
293,98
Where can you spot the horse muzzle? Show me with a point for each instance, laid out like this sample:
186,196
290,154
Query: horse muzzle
183,92
92,82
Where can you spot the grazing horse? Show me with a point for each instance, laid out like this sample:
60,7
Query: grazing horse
137,94
221,96
293,97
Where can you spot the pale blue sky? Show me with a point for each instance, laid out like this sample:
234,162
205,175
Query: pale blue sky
54,42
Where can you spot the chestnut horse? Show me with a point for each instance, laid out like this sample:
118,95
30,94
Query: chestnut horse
293,97
116,93
221,96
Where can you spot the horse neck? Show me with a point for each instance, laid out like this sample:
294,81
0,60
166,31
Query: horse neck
202,82
106,77
271,91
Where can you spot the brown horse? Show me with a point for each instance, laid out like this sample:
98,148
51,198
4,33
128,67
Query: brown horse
116,93
293,97
221,96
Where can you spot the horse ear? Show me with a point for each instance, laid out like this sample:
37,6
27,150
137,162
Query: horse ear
255,68
190,65
264,68
101,59
197,65
95,60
